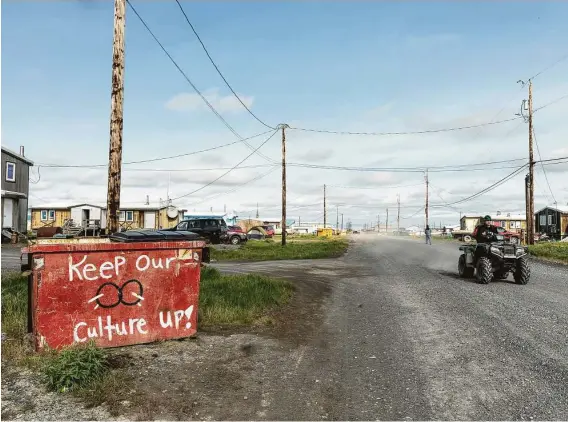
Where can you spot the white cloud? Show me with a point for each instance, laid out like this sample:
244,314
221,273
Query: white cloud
187,102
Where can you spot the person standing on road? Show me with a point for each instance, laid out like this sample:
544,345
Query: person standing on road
428,234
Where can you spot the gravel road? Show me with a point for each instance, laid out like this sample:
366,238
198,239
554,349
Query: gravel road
404,337
386,332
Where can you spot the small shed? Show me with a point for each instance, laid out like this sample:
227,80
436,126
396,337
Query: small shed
553,221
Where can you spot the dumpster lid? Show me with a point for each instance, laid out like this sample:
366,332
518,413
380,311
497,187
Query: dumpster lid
153,236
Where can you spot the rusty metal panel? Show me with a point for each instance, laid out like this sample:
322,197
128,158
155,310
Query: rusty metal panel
114,294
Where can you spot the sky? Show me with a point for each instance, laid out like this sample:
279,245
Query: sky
335,66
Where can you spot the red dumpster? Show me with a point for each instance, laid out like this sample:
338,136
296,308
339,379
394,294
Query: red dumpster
116,294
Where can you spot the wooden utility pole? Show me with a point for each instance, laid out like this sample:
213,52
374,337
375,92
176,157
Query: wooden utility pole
116,118
324,209
387,224
283,128
530,217
378,223
337,217
527,210
398,215
426,207
341,221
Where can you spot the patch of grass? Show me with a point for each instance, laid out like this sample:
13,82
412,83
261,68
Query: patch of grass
75,367
265,251
239,299
556,251
14,315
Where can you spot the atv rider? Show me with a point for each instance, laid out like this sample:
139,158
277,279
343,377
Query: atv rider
485,230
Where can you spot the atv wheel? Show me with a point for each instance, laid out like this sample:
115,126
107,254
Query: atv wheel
484,271
463,270
522,271
467,238
235,240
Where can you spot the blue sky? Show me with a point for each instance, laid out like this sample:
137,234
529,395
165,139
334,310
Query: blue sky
367,66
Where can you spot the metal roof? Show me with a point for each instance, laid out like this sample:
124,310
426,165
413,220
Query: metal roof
18,156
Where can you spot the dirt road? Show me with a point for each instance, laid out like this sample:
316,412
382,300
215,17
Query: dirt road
403,337
386,332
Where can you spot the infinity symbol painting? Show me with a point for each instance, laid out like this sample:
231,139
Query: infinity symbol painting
112,290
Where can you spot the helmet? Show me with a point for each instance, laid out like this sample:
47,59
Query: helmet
487,218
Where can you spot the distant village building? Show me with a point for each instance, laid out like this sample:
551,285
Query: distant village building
553,221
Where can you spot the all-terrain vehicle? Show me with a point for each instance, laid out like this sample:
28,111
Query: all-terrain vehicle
495,258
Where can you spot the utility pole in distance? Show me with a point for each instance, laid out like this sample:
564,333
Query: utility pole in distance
337,218
341,221
283,127
398,215
324,209
387,225
426,207
116,118
530,217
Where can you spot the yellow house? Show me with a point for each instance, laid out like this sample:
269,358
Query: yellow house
510,222
89,215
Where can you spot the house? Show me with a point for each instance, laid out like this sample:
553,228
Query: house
511,222
468,222
94,216
553,221
15,189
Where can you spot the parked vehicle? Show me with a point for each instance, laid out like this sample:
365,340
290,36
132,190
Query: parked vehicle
269,230
495,258
235,235
212,229
255,234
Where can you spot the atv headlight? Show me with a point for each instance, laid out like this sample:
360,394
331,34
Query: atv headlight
496,250
520,251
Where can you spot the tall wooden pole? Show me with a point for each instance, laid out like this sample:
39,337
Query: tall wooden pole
324,210
283,128
527,208
116,118
530,217
426,207
387,224
398,215
336,218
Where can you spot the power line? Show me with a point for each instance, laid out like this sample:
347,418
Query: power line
550,66
228,171
542,165
198,92
551,102
373,188
489,188
219,71
151,160
419,132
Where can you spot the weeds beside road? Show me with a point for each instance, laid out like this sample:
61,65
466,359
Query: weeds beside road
315,248
241,299
553,251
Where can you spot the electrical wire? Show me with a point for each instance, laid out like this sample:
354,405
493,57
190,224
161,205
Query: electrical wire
228,171
151,160
419,132
219,71
197,91
542,165
551,102
489,188
561,59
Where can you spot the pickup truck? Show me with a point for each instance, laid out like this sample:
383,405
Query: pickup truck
467,236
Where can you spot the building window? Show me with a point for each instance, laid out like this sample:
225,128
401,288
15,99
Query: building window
47,215
515,224
10,172
126,216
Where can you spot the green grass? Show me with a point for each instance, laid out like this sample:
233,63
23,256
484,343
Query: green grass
268,251
74,368
239,299
555,251
14,315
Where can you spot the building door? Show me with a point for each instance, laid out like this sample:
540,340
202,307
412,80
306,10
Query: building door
8,213
149,220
